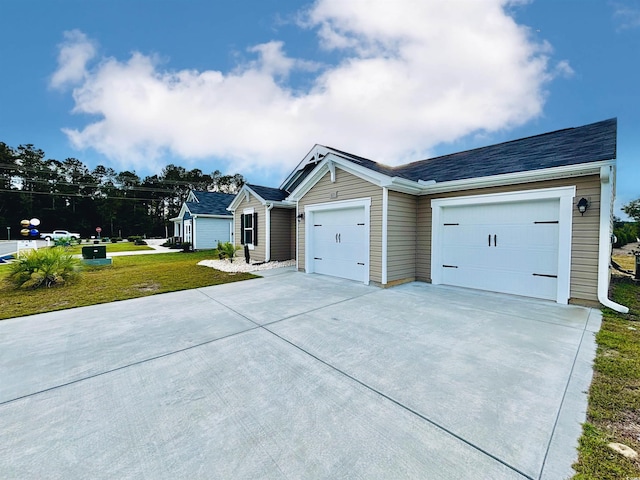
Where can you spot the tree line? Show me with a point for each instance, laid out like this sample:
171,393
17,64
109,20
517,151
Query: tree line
68,195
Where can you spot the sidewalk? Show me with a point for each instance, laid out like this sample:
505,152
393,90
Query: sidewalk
154,243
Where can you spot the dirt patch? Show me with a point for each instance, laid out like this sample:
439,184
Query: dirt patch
149,287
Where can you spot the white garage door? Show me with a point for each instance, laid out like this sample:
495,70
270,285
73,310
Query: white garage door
338,243
503,247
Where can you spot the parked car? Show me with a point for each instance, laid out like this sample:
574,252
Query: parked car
56,234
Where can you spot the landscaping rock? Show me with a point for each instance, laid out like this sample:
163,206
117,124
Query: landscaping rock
240,265
622,449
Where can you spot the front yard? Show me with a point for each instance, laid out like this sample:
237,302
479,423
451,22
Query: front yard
129,277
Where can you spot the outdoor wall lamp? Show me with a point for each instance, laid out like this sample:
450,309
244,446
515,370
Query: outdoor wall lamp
582,205
300,217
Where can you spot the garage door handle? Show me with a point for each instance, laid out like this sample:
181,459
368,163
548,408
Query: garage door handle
336,238
495,240
339,238
489,239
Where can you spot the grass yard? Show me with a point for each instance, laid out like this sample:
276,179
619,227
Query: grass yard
129,277
613,414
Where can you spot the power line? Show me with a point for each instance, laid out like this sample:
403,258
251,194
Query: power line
79,195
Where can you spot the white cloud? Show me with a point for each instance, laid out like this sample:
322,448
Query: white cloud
412,74
627,14
74,54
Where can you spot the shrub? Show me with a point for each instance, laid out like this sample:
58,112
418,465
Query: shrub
626,233
139,242
62,242
226,250
186,247
44,268
133,238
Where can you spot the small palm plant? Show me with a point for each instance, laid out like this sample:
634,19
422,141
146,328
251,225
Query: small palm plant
44,268
226,250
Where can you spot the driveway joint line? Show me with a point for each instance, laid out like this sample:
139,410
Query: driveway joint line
403,406
564,395
133,364
290,316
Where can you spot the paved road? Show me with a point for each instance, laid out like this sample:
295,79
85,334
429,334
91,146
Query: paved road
297,376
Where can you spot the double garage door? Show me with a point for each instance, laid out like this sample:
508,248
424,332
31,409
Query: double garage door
338,241
504,247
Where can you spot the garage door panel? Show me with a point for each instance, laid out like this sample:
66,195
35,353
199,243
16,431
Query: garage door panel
505,247
521,284
339,243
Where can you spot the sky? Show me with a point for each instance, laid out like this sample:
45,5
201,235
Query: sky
250,86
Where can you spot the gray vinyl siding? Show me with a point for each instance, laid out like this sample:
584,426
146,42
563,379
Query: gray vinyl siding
401,237
347,187
258,253
207,232
585,232
281,221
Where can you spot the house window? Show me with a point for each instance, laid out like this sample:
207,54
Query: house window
249,223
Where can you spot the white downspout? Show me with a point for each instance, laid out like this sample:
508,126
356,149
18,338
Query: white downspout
297,233
385,226
267,233
604,253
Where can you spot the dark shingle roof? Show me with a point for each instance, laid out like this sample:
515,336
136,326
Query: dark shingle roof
268,193
571,146
210,203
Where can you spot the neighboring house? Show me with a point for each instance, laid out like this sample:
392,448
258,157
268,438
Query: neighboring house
264,223
204,219
503,218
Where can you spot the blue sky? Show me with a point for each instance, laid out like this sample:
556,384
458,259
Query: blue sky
251,86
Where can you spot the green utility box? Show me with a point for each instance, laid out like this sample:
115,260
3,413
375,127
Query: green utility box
96,251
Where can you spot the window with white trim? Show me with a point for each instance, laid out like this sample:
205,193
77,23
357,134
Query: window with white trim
249,227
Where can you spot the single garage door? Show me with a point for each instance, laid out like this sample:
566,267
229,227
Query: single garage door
338,242
502,247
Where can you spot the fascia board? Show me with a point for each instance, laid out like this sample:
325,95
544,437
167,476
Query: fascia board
183,209
312,153
402,185
240,196
364,173
235,203
258,197
283,204
567,171
207,215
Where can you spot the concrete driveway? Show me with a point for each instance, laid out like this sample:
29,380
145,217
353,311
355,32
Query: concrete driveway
297,376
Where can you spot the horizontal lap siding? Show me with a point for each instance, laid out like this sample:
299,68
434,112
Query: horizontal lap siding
401,237
281,219
585,233
348,187
257,254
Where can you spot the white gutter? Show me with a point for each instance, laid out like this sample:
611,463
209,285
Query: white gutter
267,232
604,252
552,173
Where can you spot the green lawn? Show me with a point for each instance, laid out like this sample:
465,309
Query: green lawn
129,277
613,414
111,247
